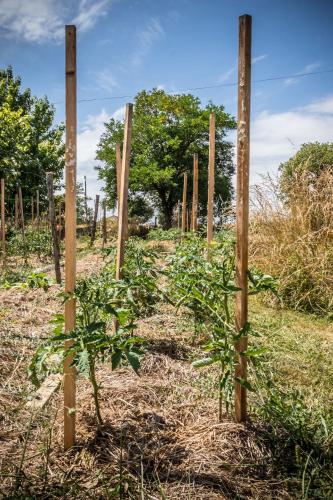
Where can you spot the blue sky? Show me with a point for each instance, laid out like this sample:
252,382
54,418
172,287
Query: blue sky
128,45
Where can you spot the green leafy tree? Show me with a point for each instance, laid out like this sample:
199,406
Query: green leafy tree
30,145
167,130
311,160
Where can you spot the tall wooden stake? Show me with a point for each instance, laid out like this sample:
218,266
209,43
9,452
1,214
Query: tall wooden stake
122,215
32,210
85,199
21,209
3,222
16,211
184,203
94,224
195,193
242,206
70,231
37,209
178,214
211,180
53,224
104,222
118,172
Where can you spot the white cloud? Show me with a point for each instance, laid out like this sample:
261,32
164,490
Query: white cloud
105,80
89,12
44,20
257,59
275,137
226,75
152,32
309,68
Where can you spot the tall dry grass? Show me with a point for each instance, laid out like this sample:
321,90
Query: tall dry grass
291,237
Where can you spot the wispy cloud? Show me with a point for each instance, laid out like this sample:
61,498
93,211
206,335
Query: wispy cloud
106,81
152,32
224,77
257,59
307,69
44,20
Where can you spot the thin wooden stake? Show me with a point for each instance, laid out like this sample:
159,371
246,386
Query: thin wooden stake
94,224
118,172
21,210
16,211
178,214
70,232
32,210
184,203
3,222
195,194
53,224
211,180
85,199
37,209
123,219
104,222
242,207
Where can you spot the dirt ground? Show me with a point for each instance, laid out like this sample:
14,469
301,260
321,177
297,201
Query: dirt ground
160,438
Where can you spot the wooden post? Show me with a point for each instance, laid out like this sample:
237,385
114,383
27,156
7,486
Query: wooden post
70,231
118,173
195,194
188,223
122,215
178,214
94,224
211,180
21,209
85,199
242,206
184,203
37,209
16,211
32,210
52,218
104,222
3,222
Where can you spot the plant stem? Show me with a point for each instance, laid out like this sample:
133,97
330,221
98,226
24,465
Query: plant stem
95,387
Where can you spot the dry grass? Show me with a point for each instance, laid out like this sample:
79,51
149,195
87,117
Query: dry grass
293,240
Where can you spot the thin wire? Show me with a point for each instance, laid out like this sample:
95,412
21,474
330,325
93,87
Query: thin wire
206,87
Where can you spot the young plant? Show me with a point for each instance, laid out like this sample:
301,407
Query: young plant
92,340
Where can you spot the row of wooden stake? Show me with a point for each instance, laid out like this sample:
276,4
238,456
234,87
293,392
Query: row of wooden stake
244,76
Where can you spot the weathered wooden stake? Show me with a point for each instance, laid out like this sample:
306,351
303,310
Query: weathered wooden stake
32,210
37,209
195,193
85,199
122,214
104,222
70,231
118,172
242,207
94,224
21,209
184,203
53,224
211,180
3,221
178,214
16,211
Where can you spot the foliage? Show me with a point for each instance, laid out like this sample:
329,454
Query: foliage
293,239
34,242
30,145
309,163
139,208
92,339
138,290
167,130
159,234
206,287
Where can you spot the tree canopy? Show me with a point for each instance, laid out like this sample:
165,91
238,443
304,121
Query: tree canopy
30,145
167,131
311,160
